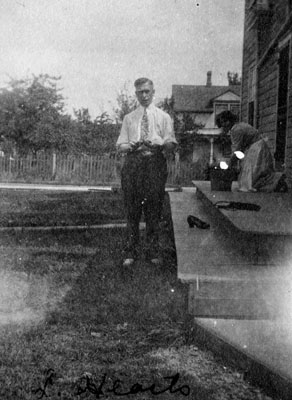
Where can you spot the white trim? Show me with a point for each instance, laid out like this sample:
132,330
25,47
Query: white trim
284,42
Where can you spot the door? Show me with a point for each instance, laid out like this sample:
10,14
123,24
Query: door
282,106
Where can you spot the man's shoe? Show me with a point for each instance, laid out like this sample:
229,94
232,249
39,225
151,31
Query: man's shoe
128,261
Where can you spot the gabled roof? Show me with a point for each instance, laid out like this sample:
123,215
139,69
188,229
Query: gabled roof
198,98
228,96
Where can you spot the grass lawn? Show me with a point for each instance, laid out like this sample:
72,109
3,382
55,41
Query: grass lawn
43,208
74,324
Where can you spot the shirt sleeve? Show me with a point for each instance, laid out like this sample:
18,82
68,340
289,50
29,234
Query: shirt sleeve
124,134
169,136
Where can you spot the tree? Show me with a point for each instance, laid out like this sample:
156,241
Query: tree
32,118
126,102
82,116
32,114
103,119
233,78
167,105
95,137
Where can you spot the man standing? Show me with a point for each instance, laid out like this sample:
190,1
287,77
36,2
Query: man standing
146,135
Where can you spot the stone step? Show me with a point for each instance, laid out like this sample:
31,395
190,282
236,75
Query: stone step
241,299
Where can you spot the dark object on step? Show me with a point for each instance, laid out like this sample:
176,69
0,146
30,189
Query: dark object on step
192,221
282,186
237,205
221,179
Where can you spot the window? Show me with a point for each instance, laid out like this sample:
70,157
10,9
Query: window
219,108
251,95
251,113
235,109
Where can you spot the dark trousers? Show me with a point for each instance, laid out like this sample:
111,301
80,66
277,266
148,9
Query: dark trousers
143,181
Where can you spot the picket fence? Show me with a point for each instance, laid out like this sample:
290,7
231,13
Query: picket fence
72,169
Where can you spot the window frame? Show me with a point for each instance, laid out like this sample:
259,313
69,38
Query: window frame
252,94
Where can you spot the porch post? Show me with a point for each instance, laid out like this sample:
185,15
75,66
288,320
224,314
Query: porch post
54,162
211,150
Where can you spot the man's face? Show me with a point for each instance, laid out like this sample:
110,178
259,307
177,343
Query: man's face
145,94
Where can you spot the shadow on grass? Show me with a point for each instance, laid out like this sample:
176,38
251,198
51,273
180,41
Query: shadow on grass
112,321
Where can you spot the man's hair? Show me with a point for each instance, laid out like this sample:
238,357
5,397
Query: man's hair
225,116
141,81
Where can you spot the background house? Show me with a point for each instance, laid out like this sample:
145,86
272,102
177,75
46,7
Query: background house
267,75
196,107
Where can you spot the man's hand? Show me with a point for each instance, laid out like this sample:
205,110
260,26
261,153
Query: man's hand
146,145
152,146
169,147
134,146
129,147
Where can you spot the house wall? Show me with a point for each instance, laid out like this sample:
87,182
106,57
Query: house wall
198,119
261,30
267,98
201,118
289,124
269,23
249,57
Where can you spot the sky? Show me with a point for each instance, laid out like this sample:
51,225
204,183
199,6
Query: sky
98,46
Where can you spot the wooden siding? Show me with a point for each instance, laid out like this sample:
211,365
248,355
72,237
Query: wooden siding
270,24
260,31
249,58
267,99
289,125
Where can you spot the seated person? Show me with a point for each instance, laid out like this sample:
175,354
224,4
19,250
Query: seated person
257,170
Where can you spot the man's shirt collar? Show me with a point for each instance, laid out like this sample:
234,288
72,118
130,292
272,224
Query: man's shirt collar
149,108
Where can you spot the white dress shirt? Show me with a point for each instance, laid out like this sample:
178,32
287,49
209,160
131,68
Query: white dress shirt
160,126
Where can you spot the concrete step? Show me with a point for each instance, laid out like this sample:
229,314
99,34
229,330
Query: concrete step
266,235
240,281
237,299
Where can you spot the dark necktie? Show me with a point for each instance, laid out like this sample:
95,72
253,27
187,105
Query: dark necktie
144,126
